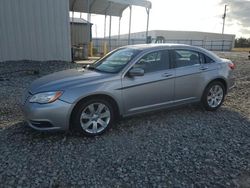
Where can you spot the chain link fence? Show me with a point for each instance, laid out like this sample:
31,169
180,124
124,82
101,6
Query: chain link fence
213,45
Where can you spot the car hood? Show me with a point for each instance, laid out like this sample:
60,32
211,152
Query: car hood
65,79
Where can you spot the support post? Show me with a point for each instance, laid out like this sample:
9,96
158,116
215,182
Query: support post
104,37
105,19
89,26
88,11
110,23
148,11
119,31
130,16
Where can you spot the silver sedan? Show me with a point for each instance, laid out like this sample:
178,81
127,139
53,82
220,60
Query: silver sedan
128,81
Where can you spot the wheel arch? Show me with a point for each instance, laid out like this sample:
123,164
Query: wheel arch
204,99
95,96
222,80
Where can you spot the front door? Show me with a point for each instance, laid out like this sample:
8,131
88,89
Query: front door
154,89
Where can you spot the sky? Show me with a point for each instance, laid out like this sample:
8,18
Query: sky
182,15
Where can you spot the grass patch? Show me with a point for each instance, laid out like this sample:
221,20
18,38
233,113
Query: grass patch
241,50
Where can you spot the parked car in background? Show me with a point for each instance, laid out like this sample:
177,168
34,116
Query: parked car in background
127,81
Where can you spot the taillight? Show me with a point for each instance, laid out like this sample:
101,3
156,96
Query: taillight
231,65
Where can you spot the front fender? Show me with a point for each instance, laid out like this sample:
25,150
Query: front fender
109,88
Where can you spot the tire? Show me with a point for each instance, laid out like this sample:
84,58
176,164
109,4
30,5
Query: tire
213,96
93,117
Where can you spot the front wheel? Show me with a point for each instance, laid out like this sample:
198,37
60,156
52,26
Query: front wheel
94,117
213,96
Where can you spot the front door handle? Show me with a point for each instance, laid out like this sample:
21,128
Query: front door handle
166,74
203,68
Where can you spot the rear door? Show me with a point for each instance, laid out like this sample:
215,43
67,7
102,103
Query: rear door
153,90
189,74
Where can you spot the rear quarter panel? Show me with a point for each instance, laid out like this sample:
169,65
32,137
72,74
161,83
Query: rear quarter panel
218,70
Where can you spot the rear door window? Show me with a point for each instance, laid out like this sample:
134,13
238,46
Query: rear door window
184,58
205,59
208,59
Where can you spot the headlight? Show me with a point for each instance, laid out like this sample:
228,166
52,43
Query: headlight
46,97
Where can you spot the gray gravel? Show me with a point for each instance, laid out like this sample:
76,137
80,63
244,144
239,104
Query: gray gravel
15,77
184,147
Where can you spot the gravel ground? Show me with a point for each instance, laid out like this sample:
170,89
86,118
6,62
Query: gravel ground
184,147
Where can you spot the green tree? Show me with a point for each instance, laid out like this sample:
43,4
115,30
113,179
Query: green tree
242,42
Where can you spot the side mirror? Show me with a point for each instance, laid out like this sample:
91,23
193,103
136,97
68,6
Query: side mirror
136,72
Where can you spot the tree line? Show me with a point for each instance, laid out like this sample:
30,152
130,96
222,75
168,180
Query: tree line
242,42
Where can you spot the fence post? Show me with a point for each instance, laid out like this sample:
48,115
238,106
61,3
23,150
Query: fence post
222,45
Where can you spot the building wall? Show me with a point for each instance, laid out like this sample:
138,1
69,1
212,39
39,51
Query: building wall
182,35
34,30
211,41
80,34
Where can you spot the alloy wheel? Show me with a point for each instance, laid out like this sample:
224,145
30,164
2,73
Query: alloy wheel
215,96
95,118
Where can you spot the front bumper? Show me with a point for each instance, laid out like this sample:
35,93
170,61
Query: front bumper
48,117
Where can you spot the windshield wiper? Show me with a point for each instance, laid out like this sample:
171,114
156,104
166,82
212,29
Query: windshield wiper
92,67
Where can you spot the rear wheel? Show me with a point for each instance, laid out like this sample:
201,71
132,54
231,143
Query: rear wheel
93,117
213,96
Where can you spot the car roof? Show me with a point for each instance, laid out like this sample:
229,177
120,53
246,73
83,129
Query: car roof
154,46
149,47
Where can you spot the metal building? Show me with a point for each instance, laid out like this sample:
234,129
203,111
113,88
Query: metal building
40,29
81,33
81,36
34,30
210,41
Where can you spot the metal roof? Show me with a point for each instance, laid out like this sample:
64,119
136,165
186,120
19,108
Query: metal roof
79,20
106,7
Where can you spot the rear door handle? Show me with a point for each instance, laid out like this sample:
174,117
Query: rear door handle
167,74
203,68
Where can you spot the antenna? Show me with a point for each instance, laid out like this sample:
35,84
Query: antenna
224,19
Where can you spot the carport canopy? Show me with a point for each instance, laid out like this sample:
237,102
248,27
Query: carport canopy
109,8
106,7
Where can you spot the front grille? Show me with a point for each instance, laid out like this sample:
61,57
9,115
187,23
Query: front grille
41,124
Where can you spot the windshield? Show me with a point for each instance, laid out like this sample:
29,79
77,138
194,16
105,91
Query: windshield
116,60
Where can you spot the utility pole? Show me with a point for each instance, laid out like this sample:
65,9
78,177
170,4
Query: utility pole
224,19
